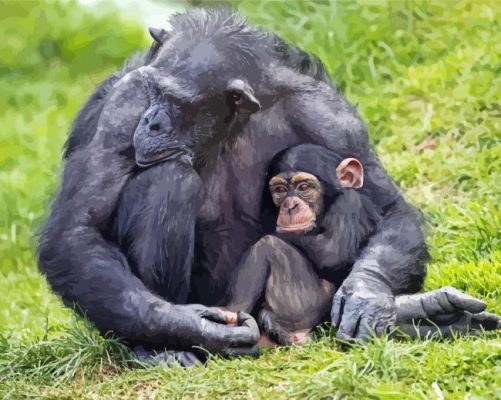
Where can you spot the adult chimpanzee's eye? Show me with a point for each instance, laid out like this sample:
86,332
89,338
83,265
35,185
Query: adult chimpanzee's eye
236,97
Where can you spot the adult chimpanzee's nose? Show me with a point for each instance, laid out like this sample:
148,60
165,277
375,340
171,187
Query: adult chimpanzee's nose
159,122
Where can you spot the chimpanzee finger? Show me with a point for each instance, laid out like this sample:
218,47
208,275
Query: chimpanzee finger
249,325
231,336
427,330
364,330
375,325
382,327
187,359
487,321
241,351
462,301
337,310
247,320
214,314
154,358
231,317
350,322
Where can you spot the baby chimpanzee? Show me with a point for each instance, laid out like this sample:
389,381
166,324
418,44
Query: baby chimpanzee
289,277
287,280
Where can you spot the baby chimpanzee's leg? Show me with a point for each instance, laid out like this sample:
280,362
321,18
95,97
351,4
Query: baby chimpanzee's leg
278,284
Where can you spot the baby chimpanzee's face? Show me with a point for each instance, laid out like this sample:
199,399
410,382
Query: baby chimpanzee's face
299,195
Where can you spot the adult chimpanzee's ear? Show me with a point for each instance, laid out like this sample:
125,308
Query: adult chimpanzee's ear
241,97
158,34
350,173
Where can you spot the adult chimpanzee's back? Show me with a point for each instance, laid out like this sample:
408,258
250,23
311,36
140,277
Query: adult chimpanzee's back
238,97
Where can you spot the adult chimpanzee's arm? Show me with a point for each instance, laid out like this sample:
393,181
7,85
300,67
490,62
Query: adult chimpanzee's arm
86,269
393,260
391,263
155,227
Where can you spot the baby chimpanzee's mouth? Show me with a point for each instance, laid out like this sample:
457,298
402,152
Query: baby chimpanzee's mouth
296,228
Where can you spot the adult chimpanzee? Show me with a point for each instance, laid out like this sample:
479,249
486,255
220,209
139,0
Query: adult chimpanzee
210,76
288,279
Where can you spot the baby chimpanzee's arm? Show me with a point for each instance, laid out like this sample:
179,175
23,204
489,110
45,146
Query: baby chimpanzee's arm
345,227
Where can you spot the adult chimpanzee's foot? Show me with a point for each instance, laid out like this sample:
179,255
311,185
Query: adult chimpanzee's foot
446,311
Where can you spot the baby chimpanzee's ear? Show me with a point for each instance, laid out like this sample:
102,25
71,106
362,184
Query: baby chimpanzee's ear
350,173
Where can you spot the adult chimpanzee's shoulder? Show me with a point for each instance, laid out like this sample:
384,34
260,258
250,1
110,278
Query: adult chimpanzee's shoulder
317,112
299,60
85,125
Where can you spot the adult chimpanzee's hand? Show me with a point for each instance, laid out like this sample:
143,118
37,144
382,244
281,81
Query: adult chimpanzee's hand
197,325
363,304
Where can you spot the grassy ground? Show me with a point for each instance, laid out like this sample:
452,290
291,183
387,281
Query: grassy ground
426,78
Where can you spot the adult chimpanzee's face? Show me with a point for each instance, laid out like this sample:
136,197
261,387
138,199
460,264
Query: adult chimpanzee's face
184,120
156,137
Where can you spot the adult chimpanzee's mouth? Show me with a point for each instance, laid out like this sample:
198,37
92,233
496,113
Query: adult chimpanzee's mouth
170,154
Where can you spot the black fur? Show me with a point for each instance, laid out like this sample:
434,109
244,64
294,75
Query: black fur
350,216
278,279
78,252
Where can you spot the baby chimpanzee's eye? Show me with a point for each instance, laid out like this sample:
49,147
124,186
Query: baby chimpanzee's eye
280,189
303,187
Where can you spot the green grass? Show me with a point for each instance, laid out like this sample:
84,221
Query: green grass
426,78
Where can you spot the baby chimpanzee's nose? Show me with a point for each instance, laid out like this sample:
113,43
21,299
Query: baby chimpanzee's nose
290,204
